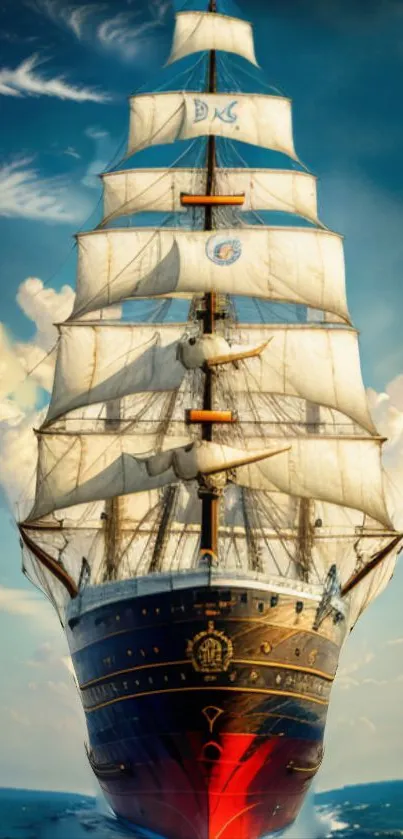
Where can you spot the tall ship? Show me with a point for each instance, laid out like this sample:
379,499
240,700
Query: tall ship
210,518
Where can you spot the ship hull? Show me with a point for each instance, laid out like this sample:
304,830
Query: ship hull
205,707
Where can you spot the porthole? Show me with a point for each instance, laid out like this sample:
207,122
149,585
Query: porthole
156,650
297,652
142,653
129,652
117,617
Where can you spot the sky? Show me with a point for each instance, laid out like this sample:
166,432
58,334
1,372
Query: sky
65,74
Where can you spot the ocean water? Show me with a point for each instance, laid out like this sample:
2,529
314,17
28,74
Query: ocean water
362,812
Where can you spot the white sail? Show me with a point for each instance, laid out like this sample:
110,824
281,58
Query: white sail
77,468
295,265
199,31
115,360
250,118
159,190
321,365
74,469
311,362
345,471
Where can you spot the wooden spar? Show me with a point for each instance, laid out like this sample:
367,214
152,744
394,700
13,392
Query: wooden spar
370,566
244,461
213,200
193,415
49,563
227,359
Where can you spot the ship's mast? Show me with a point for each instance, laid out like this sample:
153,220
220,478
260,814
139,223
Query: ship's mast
110,568
209,497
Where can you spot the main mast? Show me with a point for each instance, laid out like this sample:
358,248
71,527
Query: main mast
210,497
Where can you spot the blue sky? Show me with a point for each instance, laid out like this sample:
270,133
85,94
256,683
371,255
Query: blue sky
65,74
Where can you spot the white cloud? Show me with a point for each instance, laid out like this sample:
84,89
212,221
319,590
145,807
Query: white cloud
25,194
387,411
72,152
43,306
74,17
25,80
122,34
28,604
105,151
25,368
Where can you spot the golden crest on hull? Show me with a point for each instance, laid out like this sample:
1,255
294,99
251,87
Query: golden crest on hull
210,651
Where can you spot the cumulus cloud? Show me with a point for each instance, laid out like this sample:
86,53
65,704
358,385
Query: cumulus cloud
26,370
25,80
25,194
387,412
19,393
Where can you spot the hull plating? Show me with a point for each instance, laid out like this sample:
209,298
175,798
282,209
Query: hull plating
205,708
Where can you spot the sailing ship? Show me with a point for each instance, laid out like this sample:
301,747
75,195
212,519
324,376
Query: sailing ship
209,519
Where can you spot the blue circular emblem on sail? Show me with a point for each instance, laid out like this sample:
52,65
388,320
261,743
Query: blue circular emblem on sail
222,250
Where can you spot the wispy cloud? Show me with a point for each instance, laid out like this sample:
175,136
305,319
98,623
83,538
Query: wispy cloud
105,153
121,33
72,152
74,17
25,80
25,194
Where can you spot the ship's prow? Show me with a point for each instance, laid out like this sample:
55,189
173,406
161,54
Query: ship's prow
205,700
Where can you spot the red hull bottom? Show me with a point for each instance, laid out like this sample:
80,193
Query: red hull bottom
245,788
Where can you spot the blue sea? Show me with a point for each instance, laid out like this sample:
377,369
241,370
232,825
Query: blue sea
371,810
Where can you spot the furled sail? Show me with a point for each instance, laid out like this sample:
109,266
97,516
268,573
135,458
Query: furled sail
199,31
74,469
296,265
250,118
160,190
321,365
